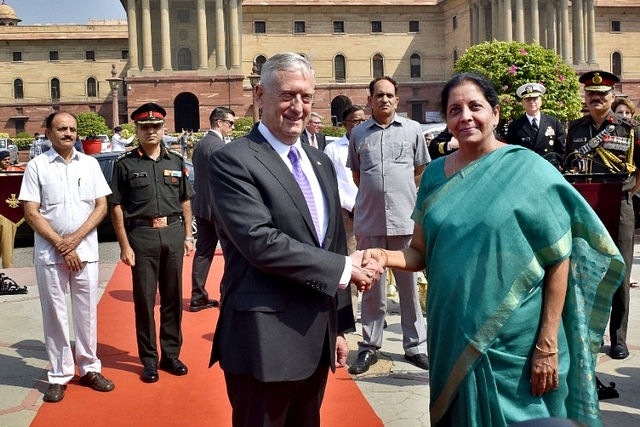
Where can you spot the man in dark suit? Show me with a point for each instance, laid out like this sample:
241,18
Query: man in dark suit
286,301
539,132
221,121
312,134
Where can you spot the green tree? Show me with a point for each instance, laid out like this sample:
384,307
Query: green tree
91,124
510,65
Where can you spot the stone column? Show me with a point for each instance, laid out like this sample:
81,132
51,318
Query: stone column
591,32
508,23
520,21
495,19
551,25
234,40
535,22
147,48
221,48
577,12
165,31
203,48
564,29
132,21
482,22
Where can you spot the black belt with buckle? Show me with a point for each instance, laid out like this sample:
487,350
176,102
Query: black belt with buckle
160,222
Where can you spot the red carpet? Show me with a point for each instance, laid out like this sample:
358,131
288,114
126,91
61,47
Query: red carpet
199,398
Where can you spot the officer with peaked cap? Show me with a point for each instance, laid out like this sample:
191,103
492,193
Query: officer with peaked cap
539,132
151,213
607,143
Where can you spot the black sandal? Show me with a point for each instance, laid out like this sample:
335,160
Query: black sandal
8,286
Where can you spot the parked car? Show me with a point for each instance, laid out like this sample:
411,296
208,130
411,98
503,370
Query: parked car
432,129
7,144
24,234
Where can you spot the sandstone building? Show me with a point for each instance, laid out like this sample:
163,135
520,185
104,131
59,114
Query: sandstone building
193,55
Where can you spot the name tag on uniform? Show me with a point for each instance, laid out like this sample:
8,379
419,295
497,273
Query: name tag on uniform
177,174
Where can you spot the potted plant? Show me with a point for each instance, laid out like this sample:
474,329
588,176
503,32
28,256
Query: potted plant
90,125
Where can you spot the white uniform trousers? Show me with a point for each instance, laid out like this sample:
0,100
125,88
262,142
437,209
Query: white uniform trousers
83,286
373,306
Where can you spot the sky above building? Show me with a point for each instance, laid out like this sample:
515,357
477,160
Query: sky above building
66,11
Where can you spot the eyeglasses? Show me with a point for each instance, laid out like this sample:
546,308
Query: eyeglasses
316,123
155,126
229,122
356,121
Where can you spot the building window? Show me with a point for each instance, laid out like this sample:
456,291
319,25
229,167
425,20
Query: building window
18,89
340,68
416,112
53,55
260,27
183,15
378,66
455,22
414,26
19,125
260,60
616,27
338,26
17,56
376,26
90,55
124,54
55,89
92,87
455,56
184,59
616,63
415,65
298,27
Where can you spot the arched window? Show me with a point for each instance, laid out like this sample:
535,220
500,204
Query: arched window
455,56
18,89
260,60
378,66
415,65
340,68
55,89
616,63
184,59
92,87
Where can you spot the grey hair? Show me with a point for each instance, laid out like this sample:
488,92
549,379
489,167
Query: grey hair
286,61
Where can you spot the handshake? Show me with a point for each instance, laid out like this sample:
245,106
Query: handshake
366,270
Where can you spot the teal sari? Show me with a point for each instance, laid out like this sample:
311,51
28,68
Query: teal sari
490,230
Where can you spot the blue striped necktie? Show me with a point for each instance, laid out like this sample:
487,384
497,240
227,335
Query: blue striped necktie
303,182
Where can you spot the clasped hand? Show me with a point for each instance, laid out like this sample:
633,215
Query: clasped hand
364,273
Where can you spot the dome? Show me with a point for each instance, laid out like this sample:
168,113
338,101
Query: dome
7,13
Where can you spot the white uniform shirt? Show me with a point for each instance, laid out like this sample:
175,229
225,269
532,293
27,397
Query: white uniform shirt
118,143
66,194
338,152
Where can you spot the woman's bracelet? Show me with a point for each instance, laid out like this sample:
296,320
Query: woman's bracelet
550,353
385,256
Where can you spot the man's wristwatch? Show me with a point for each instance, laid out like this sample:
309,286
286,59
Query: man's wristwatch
189,239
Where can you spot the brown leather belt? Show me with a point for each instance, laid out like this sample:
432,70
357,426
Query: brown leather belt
160,222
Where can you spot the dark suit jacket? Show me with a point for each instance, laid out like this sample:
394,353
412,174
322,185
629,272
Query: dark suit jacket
550,138
320,140
281,308
202,201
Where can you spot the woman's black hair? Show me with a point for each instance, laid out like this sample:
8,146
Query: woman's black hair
484,84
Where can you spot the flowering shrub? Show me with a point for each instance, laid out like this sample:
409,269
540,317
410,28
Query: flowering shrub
510,65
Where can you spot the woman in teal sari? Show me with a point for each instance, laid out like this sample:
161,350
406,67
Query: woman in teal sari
521,272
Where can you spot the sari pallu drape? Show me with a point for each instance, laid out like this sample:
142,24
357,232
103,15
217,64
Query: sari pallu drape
490,231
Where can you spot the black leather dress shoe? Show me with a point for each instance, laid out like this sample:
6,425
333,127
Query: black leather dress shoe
619,351
420,360
201,305
174,366
149,374
54,393
363,362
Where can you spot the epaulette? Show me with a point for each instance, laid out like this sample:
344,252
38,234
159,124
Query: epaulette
177,153
627,120
579,121
123,155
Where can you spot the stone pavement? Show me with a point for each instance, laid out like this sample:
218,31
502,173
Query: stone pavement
397,390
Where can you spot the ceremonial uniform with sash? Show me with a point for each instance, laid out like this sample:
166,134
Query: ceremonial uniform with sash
610,148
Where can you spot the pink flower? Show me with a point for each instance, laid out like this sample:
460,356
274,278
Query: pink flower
513,69
523,52
505,87
560,103
561,77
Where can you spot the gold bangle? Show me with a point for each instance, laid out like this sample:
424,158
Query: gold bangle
550,353
386,257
